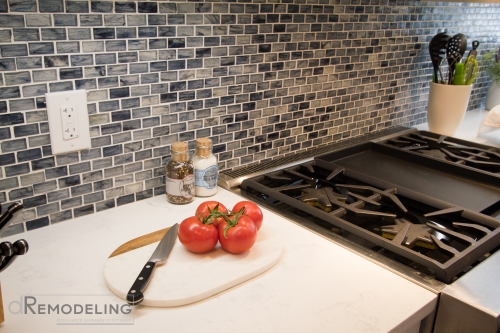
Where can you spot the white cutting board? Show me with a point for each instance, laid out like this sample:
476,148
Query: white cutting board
187,277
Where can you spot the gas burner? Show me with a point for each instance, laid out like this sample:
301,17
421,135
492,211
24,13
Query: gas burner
417,234
317,198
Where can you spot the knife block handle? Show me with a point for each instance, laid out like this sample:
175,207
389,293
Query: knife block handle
135,295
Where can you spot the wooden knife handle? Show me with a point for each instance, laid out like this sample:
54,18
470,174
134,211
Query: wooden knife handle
135,294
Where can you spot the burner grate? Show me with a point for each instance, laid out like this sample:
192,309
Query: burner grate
478,157
443,238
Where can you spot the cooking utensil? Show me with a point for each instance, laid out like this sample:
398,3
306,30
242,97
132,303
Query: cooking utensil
455,50
135,294
473,52
471,65
6,218
459,76
437,50
20,247
471,70
189,277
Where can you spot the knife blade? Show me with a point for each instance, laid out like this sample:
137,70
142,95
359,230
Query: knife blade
135,294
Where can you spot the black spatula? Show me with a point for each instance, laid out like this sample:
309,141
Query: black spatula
437,51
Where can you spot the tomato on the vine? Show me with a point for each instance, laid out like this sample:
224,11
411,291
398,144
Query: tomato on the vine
196,236
238,234
251,210
212,211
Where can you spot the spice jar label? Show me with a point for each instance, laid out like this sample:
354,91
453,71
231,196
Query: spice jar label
181,187
206,178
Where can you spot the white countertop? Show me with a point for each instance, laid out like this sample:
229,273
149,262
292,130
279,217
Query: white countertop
317,286
472,129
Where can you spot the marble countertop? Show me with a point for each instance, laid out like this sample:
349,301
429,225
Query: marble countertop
317,286
472,129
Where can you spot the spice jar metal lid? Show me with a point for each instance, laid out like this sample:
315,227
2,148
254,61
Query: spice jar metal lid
203,147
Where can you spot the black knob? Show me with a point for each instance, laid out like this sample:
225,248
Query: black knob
20,247
6,249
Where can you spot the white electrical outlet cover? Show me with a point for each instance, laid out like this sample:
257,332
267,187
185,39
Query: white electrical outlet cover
68,121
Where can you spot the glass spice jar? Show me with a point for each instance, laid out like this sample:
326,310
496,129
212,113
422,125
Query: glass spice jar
179,175
206,170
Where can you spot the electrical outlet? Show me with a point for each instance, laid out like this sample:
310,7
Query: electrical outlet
68,121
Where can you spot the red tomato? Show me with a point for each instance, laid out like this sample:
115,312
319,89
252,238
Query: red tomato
214,207
238,238
251,210
196,236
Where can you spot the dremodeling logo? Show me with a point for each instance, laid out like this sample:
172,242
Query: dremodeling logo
74,309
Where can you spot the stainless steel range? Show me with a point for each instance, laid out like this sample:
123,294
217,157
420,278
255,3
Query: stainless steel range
422,205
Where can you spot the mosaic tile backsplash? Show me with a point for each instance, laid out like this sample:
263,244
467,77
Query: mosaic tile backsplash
261,78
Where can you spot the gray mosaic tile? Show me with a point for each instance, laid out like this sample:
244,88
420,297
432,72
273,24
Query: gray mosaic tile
41,48
53,34
34,90
65,20
38,20
114,20
101,6
17,78
93,46
104,205
70,203
79,33
22,5
14,50
37,223
5,36
56,61
61,86
51,6
26,34
45,75
48,209
10,21
61,216
125,7
29,63
93,197
126,32
91,20
40,185
9,92
136,20
7,64
22,104
77,7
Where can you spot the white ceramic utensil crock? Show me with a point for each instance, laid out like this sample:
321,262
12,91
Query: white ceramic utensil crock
447,106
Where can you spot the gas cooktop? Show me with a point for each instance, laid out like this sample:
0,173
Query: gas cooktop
424,206
422,200
436,238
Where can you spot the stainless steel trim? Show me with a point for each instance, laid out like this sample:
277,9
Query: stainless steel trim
228,183
472,303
